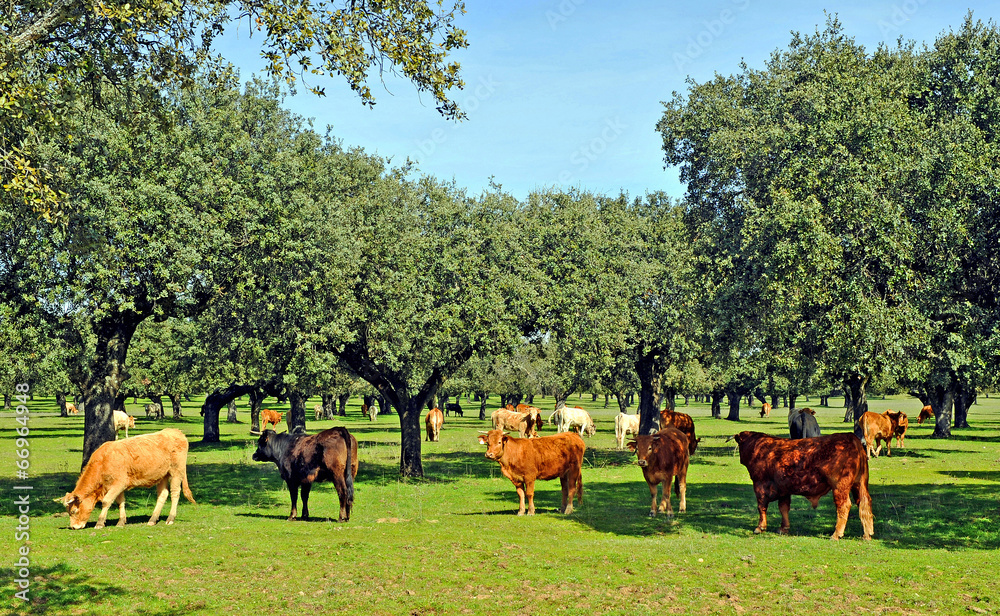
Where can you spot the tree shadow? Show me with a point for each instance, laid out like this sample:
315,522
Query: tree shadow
62,589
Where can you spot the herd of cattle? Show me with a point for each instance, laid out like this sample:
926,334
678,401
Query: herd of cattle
807,464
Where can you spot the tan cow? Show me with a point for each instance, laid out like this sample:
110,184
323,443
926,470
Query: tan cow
925,413
875,428
506,419
123,420
524,460
267,416
765,409
71,408
434,420
318,409
158,459
568,418
624,425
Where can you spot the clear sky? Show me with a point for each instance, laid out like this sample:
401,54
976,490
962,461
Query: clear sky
567,93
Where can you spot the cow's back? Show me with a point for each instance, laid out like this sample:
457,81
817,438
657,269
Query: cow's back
546,457
141,460
672,455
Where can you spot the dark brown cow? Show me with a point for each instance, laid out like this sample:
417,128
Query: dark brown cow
663,457
433,421
684,423
925,413
524,460
304,460
808,467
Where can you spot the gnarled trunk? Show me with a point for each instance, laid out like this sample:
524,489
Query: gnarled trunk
175,401
482,397
257,398
735,397
214,403
296,419
231,416
61,399
965,396
342,404
855,385
717,396
650,382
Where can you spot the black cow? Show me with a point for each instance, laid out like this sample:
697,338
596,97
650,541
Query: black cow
453,407
303,460
803,424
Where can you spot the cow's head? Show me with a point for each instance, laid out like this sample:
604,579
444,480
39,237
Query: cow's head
590,429
495,440
264,451
644,447
78,507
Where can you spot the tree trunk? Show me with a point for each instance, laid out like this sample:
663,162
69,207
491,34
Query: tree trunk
735,397
793,395
774,401
296,418
342,404
411,437
6,402
717,396
848,406
328,406
257,398
482,397
965,395
622,400
669,397
607,400
213,403
942,400
650,381
61,399
855,384
231,415
175,401
106,374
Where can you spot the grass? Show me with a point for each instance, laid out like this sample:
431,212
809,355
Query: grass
451,544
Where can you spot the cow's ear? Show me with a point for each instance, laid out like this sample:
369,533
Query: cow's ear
482,439
631,445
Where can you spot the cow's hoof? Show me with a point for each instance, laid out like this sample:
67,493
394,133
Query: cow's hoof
783,531
98,526
151,523
121,523
652,514
758,530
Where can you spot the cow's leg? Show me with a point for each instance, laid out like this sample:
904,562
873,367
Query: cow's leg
564,482
529,490
665,505
682,491
161,499
341,485
306,487
842,500
122,518
175,496
293,492
112,496
520,498
652,498
762,510
784,504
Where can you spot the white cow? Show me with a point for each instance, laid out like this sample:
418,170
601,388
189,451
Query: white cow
123,420
625,424
569,418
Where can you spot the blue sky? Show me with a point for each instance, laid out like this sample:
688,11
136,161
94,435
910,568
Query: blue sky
567,93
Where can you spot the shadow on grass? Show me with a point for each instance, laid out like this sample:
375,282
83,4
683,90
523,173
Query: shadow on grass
62,589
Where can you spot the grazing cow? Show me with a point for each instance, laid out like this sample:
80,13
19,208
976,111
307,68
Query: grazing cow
155,410
371,411
901,428
506,419
525,460
662,457
434,421
267,416
71,408
765,409
802,423
331,455
684,423
808,467
625,424
123,420
319,411
875,428
453,407
925,413
568,418
159,459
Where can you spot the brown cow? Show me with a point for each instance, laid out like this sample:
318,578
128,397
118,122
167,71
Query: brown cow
434,420
267,416
536,415
765,409
808,467
525,460
684,423
158,458
925,413
663,457
875,428
304,460
506,419
901,428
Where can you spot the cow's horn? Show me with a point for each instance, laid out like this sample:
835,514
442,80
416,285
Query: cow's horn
728,438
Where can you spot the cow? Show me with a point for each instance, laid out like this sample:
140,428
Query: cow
154,410
536,414
318,409
123,420
567,418
506,419
71,409
453,407
810,467
525,460
925,413
765,409
901,427
875,428
434,420
331,455
802,424
684,423
267,416
663,458
370,411
625,424
158,458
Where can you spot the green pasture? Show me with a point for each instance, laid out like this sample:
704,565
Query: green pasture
451,544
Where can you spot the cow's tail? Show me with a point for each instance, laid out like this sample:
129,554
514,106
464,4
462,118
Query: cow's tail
185,487
348,474
863,497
